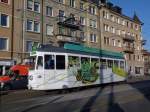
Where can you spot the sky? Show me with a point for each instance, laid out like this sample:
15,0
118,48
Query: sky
142,9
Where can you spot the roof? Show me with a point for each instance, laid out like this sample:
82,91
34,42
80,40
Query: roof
81,49
136,18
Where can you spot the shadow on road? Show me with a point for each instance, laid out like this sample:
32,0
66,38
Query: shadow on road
111,105
91,101
143,87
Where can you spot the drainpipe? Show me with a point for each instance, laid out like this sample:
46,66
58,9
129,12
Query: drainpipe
12,31
42,21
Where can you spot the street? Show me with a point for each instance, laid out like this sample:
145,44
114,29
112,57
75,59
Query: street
132,97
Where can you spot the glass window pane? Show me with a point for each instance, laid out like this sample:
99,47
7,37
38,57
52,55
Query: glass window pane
39,63
36,7
49,29
3,44
29,4
29,25
36,26
60,62
49,11
29,46
49,62
4,20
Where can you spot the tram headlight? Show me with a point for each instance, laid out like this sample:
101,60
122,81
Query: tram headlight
30,77
2,84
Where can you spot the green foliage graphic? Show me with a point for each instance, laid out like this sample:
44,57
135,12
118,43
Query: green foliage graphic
119,71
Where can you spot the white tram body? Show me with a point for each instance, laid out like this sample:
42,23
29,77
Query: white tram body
59,68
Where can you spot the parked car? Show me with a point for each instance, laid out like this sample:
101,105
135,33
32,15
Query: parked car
15,78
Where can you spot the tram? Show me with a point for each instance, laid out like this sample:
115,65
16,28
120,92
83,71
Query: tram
74,65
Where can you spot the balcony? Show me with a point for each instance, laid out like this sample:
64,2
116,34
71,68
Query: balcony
128,38
68,38
70,22
128,49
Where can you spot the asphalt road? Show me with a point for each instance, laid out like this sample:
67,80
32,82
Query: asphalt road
113,98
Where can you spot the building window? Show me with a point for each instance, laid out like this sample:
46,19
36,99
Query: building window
49,11
112,18
123,22
118,20
93,23
93,38
30,4
106,27
136,27
82,36
61,16
34,6
49,30
113,42
29,45
29,25
82,20
112,29
61,13
105,15
36,26
3,44
106,40
81,5
92,10
4,1
4,20
137,70
33,26
72,3
119,43
61,30
61,1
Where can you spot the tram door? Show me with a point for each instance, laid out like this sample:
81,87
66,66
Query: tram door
49,68
39,72
60,72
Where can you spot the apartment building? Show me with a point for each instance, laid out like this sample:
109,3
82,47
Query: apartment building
25,23
122,33
6,35
146,62
95,23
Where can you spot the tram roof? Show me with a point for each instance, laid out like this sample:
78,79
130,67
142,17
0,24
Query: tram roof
80,49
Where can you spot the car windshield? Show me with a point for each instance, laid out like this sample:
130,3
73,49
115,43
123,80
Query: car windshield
9,73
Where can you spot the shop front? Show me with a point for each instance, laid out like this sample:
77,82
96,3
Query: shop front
5,66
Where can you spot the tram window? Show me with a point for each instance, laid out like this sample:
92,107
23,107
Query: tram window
60,62
95,62
103,64
122,64
110,63
85,60
73,61
39,63
116,63
49,62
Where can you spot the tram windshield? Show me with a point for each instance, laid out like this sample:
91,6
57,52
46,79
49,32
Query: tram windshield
31,62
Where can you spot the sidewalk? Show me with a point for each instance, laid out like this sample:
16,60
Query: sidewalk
138,79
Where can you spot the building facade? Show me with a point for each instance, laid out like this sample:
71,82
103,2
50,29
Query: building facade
95,23
146,62
123,34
